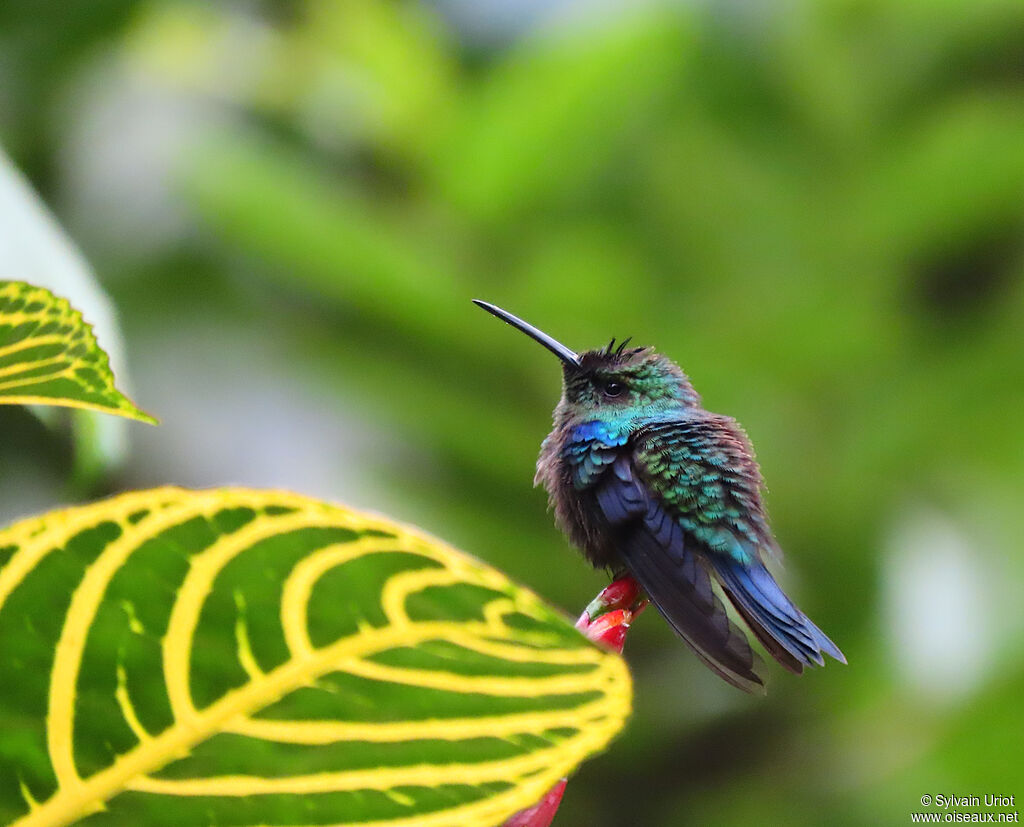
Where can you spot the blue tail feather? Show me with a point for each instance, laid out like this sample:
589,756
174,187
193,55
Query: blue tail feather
786,632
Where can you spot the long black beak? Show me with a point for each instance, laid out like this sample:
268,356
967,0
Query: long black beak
556,347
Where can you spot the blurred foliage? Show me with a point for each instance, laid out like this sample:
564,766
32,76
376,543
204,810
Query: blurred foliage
817,208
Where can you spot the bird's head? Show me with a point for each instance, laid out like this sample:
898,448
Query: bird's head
606,382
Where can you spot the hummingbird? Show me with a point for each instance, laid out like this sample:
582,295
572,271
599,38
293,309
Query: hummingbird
649,485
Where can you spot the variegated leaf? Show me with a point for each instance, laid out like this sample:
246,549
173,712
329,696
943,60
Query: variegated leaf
49,356
244,657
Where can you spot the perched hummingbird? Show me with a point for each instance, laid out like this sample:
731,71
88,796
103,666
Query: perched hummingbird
644,481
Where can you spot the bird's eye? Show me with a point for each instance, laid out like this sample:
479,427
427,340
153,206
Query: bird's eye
613,389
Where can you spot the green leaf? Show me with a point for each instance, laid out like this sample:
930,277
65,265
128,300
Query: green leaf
246,657
49,356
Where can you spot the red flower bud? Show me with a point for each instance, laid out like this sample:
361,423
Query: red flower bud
622,593
610,629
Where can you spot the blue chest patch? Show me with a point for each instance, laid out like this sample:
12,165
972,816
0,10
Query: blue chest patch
591,448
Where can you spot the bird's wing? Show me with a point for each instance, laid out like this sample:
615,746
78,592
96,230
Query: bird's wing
703,473
653,547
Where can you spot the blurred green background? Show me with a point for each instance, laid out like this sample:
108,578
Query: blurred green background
817,208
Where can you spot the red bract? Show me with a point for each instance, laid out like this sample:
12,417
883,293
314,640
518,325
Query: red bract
622,594
610,629
540,814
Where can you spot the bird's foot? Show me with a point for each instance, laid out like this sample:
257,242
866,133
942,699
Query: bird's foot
609,615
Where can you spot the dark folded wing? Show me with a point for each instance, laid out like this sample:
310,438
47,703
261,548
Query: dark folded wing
652,546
